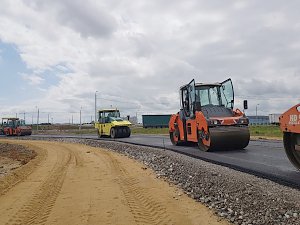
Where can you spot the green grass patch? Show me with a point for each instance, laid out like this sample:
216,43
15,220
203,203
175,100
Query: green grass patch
265,131
141,130
258,131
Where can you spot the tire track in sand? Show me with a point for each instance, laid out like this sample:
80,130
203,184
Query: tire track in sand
144,208
37,210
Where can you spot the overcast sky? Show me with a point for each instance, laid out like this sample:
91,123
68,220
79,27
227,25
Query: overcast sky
54,55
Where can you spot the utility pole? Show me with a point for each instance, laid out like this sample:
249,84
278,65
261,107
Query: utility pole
23,115
95,105
256,113
48,118
80,118
136,114
72,119
37,121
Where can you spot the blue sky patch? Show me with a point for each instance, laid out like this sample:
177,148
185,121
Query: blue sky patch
13,69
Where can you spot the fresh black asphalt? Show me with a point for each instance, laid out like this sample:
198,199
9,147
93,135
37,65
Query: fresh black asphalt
264,158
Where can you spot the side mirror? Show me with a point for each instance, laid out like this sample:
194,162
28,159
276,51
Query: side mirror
245,104
232,103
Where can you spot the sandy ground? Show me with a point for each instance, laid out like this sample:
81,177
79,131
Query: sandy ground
12,157
7,165
76,184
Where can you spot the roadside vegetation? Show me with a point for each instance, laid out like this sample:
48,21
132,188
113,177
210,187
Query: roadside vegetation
259,131
141,130
266,131
272,131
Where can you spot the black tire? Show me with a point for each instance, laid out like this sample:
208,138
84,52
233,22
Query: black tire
113,132
99,134
123,132
290,142
128,132
201,146
172,138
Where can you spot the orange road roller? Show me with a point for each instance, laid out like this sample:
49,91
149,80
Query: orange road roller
15,127
207,117
290,125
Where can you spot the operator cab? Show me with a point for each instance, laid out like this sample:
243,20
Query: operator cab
22,123
12,122
107,116
214,100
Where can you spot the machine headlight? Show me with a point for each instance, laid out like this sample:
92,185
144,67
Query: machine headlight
243,121
214,122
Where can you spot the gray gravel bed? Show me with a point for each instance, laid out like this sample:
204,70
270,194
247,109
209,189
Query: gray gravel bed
239,197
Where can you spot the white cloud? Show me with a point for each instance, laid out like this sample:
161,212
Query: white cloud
143,52
32,79
275,20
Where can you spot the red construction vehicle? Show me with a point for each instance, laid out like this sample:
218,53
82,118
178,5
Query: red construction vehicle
15,127
290,125
207,117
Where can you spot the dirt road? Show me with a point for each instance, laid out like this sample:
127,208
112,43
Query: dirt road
78,185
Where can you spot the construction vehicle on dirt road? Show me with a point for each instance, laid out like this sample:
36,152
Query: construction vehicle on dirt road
207,117
111,124
15,127
290,125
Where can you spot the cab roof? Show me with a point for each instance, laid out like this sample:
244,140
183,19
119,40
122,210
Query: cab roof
204,84
10,118
108,110
207,84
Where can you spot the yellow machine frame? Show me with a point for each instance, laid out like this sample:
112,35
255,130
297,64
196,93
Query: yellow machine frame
110,124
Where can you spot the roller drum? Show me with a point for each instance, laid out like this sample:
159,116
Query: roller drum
229,137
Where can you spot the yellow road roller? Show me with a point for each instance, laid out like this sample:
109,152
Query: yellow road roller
110,124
